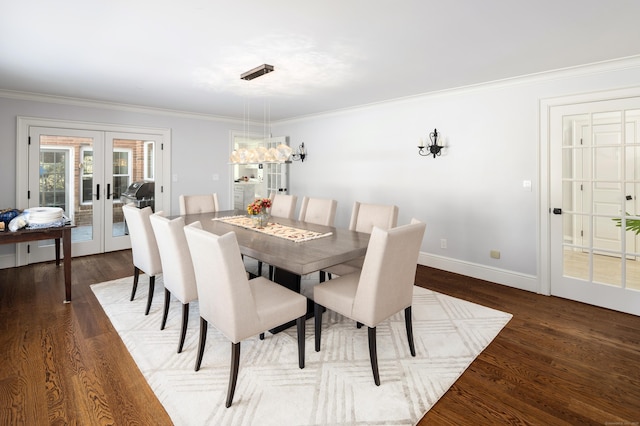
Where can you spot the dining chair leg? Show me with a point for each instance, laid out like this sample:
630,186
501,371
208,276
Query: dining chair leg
259,268
300,323
261,336
409,325
358,324
185,322
323,276
271,272
152,286
317,313
165,312
373,354
136,275
201,342
233,375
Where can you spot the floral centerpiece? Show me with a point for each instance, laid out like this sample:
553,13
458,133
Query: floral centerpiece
259,211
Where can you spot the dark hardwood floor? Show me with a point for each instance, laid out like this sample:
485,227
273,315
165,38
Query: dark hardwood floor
557,362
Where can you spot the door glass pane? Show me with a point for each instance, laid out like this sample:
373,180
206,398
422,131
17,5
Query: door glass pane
132,162
633,273
149,160
54,168
607,269
576,263
86,172
576,259
66,180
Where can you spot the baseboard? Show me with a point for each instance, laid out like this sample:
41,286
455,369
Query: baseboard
483,272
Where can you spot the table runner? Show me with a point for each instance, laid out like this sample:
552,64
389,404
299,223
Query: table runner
277,230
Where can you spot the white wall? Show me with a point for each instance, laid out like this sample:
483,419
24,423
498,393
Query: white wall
472,195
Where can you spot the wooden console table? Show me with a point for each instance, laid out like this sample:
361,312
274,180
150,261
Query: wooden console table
57,233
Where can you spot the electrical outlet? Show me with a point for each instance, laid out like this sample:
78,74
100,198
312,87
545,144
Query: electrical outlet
495,254
443,243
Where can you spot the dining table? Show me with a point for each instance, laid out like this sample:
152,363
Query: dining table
290,259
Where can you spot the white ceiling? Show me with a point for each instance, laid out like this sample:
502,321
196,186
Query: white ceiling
188,55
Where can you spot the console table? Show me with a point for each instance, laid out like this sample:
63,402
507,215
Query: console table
57,233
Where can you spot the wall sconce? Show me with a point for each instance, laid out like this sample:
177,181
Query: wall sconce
433,149
299,156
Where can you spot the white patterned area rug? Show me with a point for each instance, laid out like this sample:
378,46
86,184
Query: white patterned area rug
336,386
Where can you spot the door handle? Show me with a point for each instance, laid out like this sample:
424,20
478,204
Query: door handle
557,211
108,191
629,197
97,191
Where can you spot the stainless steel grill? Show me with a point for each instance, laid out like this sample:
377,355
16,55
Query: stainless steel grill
140,194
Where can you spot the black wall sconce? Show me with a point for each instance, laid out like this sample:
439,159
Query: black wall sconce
433,149
299,156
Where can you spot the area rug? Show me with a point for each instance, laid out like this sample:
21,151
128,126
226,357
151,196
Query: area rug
336,386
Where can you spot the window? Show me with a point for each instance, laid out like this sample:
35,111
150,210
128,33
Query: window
53,177
149,160
86,181
121,172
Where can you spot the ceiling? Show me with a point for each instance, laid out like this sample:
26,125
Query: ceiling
332,54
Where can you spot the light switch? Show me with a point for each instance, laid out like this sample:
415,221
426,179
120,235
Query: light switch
526,185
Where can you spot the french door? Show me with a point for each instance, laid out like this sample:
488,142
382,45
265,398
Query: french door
594,188
85,172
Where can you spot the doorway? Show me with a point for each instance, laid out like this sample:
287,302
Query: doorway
594,185
84,169
254,179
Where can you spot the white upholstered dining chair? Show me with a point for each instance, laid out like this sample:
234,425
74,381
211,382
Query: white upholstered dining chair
282,205
321,211
363,218
144,248
381,289
177,268
194,204
238,307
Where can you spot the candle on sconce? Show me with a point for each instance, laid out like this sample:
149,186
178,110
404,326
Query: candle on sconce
421,146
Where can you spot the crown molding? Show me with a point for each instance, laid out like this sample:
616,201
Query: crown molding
618,64
89,103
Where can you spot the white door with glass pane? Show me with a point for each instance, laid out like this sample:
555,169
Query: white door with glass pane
63,173
594,188
85,172
133,160
276,175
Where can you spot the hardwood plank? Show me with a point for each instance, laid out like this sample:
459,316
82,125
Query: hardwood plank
557,362
66,364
